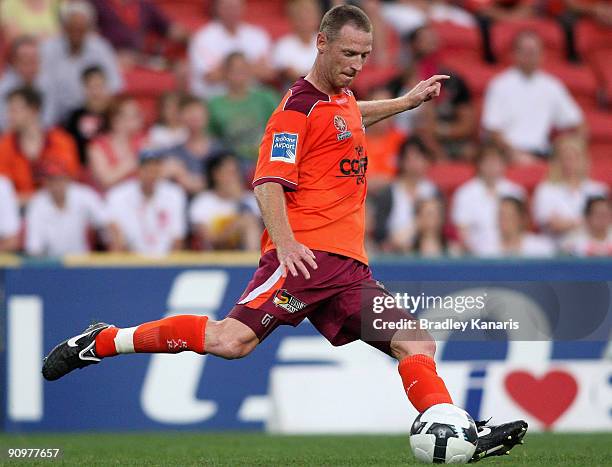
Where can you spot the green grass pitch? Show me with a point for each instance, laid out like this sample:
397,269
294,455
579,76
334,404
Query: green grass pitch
251,449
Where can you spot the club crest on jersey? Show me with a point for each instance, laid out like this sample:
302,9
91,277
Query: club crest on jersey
284,147
342,128
285,300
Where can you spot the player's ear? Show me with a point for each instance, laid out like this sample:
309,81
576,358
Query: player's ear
322,42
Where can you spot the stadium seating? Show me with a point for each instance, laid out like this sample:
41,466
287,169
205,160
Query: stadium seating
503,34
448,176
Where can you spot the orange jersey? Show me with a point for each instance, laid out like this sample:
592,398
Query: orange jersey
59,147
314,145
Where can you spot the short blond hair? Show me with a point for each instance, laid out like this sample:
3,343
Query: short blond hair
339,16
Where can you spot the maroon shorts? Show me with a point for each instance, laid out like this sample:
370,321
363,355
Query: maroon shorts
332,299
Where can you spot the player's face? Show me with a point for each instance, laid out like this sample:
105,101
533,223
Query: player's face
344,57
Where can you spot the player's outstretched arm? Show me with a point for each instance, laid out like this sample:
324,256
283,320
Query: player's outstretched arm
375,111
292,255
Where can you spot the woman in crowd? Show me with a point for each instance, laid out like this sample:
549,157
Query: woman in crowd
559,202
113,156
169,130
432,237
514,239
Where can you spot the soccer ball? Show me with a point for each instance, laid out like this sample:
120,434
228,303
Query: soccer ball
443,434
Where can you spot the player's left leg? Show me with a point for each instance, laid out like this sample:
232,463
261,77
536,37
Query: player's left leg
414,348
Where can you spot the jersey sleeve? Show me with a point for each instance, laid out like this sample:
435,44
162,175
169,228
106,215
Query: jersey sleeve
281,149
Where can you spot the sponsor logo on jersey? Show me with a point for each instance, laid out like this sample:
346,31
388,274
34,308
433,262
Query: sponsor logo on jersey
285,300
284,147
354,168
342,127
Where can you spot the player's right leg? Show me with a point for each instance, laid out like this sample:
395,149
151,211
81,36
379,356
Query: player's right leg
228,338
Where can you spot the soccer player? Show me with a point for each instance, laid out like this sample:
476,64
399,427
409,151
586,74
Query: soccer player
310,183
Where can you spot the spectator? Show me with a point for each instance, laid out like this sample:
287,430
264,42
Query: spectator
9,217
113,156
395,206
187,162
226,216
559,202
27,144
130,24
431,238
88,121
240,116
524,104
37,18
514,240
169,131
77,48
476,203
384,141
295,53
147,213
60,215
595,239
24,70
447,126
212,44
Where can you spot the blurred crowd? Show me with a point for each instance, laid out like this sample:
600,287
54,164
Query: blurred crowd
500,165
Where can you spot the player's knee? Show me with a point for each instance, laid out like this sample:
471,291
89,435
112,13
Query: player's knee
401,348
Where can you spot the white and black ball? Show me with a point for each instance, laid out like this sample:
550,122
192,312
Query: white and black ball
444,434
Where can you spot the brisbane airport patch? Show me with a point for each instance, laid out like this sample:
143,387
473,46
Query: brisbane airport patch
284,147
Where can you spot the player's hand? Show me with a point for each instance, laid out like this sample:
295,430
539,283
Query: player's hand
294,257
425,90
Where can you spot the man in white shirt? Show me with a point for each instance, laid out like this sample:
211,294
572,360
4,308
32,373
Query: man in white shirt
476,203
78,47
61,215
227,33
295,53
524,104
147,213
9,217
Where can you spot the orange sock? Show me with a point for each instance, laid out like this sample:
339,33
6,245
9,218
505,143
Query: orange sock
169,335
422,384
